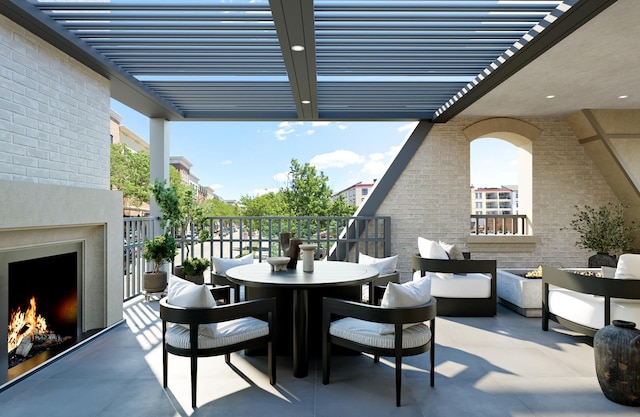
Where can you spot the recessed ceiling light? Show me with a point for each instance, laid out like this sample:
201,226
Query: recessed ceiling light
551,96
297,48
624,96
306,101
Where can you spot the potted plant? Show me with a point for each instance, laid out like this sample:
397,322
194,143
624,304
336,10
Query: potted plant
194,269
161,249
604,231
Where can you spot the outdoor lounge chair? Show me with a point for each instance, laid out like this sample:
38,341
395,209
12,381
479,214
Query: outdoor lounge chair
360,329
236,328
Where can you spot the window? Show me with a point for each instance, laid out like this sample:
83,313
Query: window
478,205
365,191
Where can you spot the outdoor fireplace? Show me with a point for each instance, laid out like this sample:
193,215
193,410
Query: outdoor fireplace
43,287
74,237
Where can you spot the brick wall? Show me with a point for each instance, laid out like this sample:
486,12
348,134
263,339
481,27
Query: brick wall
431,198
54,114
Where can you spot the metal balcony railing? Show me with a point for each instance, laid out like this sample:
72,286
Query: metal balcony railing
498,224
336,238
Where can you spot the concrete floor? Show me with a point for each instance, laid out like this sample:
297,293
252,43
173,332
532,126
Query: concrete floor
500,366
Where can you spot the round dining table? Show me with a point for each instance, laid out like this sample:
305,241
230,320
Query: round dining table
326,274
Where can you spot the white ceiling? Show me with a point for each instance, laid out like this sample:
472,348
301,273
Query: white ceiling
587,70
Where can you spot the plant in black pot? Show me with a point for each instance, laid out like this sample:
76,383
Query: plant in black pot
194,269
604,231
161,249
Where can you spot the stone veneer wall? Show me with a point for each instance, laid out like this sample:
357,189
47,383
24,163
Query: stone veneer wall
54,164
54,114
432,199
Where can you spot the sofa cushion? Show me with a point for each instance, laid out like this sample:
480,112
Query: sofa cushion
432,250
471,285
588,310
628,266
385,266
409,294
452,251
183,293
221,265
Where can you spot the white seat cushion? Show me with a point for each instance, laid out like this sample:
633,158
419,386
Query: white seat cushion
588,310
227,333
367,333
471,285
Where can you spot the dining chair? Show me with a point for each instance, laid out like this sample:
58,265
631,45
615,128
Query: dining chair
381,331
210,331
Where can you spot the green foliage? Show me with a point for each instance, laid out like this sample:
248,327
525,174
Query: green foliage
168,199
603,229
217,208
130,173
270,204
340,207
308,193
195,266
161,249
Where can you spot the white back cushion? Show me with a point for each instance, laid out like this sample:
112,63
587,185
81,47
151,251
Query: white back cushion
221,265
183,293
385,266
628,266
409,294
431,249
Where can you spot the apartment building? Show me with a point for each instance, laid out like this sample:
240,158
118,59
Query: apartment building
354,194
503,200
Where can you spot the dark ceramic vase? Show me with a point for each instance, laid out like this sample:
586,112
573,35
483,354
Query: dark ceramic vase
602,259
617,355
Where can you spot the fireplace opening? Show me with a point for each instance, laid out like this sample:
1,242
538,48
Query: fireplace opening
43,310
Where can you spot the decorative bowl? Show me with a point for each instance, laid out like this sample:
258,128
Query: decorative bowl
278,263
308,246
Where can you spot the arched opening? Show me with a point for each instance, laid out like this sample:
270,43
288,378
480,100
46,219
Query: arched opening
520,135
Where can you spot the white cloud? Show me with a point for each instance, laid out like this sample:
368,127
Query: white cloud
408,126
286,129
314,124
310,132
216,187
342,127
336,159
281,177
227,162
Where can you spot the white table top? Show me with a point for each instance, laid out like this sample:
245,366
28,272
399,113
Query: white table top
325,274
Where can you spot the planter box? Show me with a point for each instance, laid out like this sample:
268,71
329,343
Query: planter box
522,295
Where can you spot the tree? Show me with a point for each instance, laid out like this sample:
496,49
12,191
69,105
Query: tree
308,193
215,208
270,204
130,173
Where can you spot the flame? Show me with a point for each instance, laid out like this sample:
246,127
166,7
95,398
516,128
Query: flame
24,324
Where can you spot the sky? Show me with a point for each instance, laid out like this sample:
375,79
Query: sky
241,159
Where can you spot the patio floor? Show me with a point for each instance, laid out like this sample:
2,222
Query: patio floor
500,366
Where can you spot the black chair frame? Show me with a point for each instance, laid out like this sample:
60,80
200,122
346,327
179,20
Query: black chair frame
461,307
263,308
222,280
333,308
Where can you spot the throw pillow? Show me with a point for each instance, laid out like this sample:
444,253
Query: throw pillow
409,294
628,266
452,251
431,249
221,265
385,266
183,293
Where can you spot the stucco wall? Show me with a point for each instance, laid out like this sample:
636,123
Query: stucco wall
431,198
54,114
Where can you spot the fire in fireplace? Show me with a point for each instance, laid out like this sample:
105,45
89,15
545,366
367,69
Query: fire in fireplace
43,306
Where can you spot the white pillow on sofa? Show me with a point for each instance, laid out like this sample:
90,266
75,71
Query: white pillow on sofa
183,293
409,294
628,266
431,249
221,265
452,251
385,266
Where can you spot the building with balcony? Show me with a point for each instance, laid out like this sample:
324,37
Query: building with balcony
501,200
355,194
